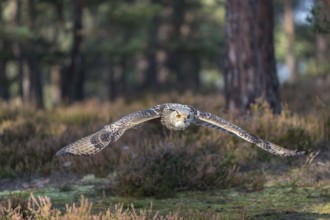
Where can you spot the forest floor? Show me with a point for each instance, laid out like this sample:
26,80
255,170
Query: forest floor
195,174
273,202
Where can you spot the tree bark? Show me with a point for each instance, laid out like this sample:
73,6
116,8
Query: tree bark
322,40
19,53
176,55
4,83
250,70
182,61
290,35
79,81
55,69
55,80
69,77
35,75
151,80
191,66
112,82
321,48
116,80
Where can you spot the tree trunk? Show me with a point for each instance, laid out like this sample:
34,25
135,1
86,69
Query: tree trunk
191,66
55,81
55,70
112,82
151,80
20,68
176,55
116,80
250,70
26,84
35,78
321,48
290,35
35,75
70,76
182,60
19,54
4,83
79,81
322,40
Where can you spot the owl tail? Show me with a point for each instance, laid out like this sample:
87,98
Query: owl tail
91,144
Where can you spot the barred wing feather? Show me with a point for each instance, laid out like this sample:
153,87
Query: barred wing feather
94,143
213,121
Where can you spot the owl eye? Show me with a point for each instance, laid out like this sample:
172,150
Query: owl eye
178,116
188,116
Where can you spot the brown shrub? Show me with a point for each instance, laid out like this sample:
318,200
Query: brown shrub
163,169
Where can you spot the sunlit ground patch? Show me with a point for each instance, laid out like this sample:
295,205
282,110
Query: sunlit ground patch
270,203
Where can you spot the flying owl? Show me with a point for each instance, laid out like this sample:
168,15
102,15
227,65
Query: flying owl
173,116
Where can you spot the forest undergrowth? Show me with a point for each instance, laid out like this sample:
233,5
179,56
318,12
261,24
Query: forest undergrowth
153,161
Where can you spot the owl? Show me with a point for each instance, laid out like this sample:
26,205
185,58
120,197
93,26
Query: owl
174,117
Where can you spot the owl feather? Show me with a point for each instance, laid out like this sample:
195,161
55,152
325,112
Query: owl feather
173,116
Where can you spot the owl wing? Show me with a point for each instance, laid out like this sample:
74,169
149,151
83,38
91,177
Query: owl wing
94,143
213,121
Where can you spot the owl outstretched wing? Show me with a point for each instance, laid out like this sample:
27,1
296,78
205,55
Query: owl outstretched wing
94,143
213,121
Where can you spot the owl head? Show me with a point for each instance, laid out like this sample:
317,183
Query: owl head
177,118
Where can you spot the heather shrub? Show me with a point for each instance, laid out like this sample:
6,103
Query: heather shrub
167,168
158,162
287,129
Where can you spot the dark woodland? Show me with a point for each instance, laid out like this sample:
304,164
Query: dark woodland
60,52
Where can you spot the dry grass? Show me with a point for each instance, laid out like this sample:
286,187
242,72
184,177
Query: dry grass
41,208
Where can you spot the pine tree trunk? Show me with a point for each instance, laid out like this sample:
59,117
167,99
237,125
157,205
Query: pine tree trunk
116,80
321,48
79,80
55,80
151,73
56,70
183,61
176,55
19,54
191,67
69,77
250,69
322,40
290,35
4,83
35,74
151,80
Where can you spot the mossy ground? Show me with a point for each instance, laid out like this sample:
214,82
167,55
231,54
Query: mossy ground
276,202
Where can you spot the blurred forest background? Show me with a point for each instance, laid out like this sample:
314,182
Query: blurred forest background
61,51
68,67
